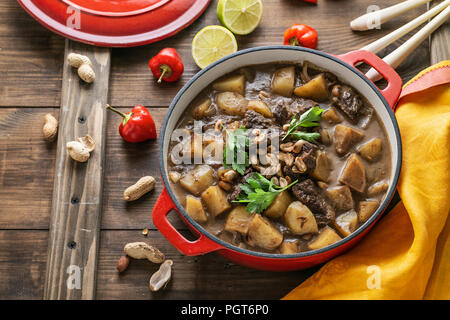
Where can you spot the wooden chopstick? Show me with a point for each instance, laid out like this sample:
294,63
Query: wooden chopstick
398,55
383,42
374,19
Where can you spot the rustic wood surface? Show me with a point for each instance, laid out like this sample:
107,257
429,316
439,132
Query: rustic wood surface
78,187
31,71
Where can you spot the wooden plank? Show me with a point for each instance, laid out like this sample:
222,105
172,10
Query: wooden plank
77,193
32,55
22,263
27,163
203,277
31,60
440,42
125,164
133,82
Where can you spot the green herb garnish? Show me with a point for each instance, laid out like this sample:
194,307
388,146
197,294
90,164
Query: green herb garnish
308,136
308,119
259,193
234,153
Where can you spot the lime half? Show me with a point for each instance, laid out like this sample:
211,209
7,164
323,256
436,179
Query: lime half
240,16
212,43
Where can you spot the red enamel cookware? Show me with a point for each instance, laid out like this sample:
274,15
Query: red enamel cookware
123,23
342,66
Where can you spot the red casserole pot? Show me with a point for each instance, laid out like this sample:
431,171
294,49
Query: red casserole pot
342,66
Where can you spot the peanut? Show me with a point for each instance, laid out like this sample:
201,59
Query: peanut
80,150
161,277
142,250
144,185
50,127
122,264
84,66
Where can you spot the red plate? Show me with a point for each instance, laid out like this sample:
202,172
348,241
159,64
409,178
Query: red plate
115,23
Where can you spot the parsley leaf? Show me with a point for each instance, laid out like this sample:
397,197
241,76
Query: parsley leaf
308,136
235,153
308,119
259,193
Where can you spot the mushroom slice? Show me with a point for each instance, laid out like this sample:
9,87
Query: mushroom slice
354,174
345,137
161,277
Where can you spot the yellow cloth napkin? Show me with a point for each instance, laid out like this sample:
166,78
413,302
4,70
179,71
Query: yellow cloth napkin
407,254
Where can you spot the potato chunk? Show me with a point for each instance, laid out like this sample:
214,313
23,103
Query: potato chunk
197,180
367,209
238,220
341,198
315,89
215,200
260,107
235,83
322,169
283,81
345,137
203,109
289,247
354,174
326,237
232,103
263,234
346,223
299,219
194,208
377,188
279,205
331,115
371,150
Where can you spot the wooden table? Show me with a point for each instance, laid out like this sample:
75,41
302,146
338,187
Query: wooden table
31,64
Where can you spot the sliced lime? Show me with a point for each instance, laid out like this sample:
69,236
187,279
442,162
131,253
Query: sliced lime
240,16
212,43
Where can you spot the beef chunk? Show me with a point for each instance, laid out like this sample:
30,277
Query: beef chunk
255,120
308,194
346,99
236,189
282,114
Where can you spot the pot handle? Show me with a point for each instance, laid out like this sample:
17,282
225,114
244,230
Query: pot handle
394,86
202,245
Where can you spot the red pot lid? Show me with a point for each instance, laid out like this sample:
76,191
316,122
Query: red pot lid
115,23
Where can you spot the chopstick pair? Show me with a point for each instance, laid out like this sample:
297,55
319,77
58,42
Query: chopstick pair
395,58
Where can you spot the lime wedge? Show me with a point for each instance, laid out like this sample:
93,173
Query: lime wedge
212,43
240,16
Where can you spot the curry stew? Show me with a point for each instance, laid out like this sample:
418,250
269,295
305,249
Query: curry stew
330,175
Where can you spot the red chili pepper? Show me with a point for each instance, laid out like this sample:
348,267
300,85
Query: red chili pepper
137,125
301,35
166,65
311,1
